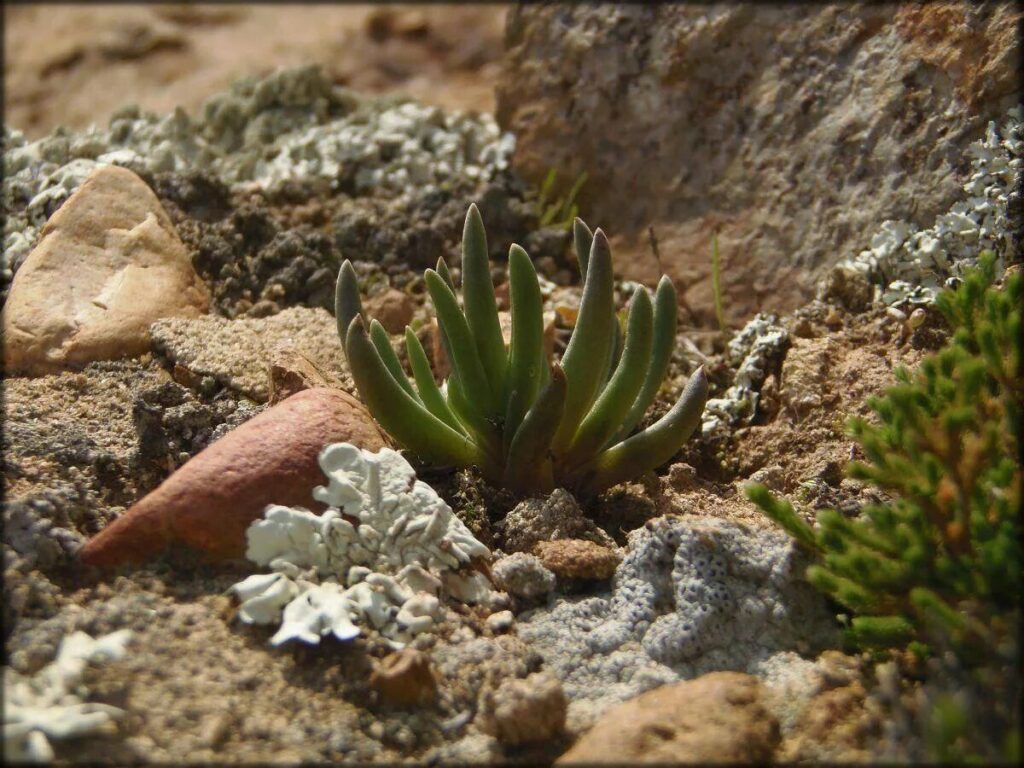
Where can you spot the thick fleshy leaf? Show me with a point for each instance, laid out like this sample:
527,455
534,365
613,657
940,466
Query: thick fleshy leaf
446,275
651,447
482,431
403,417
347,303
586,356
526,351
382,342
665,324
429,392
464,358
615,400
528,465
582,239
479,304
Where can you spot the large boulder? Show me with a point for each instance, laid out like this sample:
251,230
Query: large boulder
109,263
793,130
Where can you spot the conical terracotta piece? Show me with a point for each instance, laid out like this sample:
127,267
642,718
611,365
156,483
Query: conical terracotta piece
211,500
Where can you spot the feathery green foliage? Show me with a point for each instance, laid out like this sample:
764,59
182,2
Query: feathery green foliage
528,424
938,570
941,564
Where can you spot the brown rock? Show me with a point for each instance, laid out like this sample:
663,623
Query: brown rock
792,130
523,711
392,308
717,718
109,263
292,372
405,678
211,500
577,559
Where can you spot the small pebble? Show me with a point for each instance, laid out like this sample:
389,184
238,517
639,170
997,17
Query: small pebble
500,621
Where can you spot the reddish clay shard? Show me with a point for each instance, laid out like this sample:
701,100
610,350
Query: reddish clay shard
211,500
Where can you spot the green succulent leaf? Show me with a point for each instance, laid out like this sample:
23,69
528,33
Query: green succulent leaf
464,357
528,467
429,393
586,356
582,240
651,447
347,303
400,414
665,324
380,340
480,305
613,403
526,351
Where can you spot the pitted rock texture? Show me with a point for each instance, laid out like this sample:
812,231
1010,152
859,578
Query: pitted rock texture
717,718
109,264
693,595
792,130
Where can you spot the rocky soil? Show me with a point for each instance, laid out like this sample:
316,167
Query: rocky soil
604,616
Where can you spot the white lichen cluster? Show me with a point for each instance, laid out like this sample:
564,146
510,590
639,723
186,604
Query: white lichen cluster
293,124
911,265
384,555
50,704
761,343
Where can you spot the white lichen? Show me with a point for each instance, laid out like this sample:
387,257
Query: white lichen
755,349
385,552
292,124
50,704
910,266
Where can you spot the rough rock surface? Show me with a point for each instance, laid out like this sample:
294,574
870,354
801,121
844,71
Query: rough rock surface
521,711
577,558
789,129
239,354
693,595
717,718
210,502
109,264
557,516
523,575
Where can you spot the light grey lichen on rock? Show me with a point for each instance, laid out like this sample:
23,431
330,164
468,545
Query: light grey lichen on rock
760,344
693,595
384,555
292,124
49,705
908,265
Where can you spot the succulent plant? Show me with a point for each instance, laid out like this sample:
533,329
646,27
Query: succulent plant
527,423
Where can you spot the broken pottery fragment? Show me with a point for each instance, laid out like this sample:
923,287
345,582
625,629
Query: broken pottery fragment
211,500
